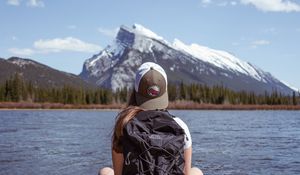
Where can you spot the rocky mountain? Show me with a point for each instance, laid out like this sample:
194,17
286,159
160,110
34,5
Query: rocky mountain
39,74
114,67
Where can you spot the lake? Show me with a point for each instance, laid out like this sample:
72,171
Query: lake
78,141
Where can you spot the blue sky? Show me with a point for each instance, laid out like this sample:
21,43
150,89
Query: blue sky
62,34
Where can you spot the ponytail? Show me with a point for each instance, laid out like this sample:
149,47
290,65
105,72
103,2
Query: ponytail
122,119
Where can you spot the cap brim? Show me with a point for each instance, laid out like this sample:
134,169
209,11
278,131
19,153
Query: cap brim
161,102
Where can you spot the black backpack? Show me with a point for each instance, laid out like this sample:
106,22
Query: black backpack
153,144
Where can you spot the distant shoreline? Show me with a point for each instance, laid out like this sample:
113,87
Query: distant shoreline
181,105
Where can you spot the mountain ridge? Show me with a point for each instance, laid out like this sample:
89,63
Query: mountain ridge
39,74
115,65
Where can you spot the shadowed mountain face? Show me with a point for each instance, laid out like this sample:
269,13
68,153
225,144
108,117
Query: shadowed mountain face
39,74
114,67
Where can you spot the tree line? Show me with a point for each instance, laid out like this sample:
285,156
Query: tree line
15,89
222,95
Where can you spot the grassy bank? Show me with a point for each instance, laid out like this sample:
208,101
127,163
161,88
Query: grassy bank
193,105
172,105
26,105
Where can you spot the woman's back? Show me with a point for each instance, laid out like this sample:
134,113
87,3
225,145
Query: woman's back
146,138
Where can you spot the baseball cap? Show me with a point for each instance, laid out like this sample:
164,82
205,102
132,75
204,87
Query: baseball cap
151,86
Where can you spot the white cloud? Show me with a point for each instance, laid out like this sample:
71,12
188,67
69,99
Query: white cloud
205,3
56,45
220,3
35,3
257,43
13,2
233,3
21,52
273,5
108,32
263,5
30,3
226,3
66,44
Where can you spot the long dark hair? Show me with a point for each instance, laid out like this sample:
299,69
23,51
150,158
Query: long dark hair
122,118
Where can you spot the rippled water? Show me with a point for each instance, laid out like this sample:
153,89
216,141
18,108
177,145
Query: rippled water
78,142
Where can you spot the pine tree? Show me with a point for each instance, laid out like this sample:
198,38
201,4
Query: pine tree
294,98
30,89
24,91
172,92
2,92
16,88
8,90
183,91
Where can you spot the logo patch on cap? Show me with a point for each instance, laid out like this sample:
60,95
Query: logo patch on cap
153,91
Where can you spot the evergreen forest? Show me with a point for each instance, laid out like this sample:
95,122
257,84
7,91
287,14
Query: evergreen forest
15,89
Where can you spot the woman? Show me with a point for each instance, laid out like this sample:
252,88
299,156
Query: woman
150,94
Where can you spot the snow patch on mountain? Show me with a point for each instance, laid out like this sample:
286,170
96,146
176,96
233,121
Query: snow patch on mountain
143,45
21,62
116,48
146,32
290,86
143,37
123,75
218,58
93,61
